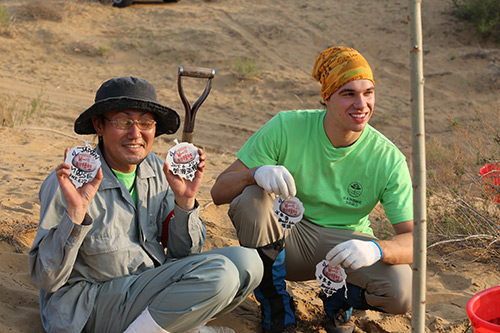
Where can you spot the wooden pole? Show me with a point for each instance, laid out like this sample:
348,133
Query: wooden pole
419,170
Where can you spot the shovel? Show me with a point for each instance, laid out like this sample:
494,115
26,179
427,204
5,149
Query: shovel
196,72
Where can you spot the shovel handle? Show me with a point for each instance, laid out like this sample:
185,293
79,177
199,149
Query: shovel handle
189,119
199,72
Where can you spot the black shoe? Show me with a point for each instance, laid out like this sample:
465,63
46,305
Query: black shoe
290,328
341,322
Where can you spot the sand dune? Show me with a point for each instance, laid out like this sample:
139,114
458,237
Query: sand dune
58,60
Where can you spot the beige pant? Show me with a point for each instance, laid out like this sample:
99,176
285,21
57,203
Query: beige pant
388,287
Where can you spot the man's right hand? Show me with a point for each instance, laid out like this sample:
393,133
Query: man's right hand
355,254
275,179
78,200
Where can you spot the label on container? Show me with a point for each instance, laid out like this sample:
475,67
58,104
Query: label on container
183,160
288,211
330,278
85,163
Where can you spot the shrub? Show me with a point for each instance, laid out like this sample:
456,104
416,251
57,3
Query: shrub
245,68
11,114
483,14
5,23
41,10
462,211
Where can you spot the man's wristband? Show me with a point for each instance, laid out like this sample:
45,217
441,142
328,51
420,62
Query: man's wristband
255,171
379,248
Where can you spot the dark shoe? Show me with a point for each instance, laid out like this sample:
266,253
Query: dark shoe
290,328
341,322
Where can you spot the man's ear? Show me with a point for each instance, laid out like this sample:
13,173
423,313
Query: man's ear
98,125
326,102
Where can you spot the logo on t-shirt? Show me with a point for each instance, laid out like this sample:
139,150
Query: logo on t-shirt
355,189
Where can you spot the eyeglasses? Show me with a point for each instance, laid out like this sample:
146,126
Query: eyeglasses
125,123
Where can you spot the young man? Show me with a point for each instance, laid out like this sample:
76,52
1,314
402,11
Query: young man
97,256
339,167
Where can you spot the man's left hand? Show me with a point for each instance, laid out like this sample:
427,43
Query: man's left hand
185,190
354,254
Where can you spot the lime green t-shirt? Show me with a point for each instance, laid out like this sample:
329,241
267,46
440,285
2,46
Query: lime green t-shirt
128,179
339,187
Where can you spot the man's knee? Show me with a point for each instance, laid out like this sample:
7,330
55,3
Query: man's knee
402,290
253,218
220,275
392,294
247,262
253,263
402,299
249,203
399,302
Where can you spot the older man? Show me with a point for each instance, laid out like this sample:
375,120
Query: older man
340,168
98,257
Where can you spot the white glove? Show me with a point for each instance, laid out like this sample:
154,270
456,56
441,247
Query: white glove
355,254
275,179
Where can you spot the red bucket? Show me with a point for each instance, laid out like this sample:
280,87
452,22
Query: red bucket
483,310
491,175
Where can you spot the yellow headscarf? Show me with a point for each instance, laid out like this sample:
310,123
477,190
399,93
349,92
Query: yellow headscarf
337,66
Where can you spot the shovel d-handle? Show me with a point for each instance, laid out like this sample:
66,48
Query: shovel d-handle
189,119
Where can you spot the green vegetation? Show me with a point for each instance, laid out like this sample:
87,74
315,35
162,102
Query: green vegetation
5,23
12,114
245,68
4,17
484,15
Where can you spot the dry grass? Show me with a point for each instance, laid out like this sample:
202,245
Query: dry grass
105,2
463,215
14,231
88,49
13,113
6,23
53,11
8,111
41,10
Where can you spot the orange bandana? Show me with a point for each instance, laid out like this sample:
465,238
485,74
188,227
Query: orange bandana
337,66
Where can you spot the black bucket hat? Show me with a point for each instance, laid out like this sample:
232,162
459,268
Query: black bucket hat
128,93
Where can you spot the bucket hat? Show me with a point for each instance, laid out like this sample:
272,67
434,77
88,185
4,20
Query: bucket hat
128,92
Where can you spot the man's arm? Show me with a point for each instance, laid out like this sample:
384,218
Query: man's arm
231,182
398,249
274,179
58,239
62,227
186,232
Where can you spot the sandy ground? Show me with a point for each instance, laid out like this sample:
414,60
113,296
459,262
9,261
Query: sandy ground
53,58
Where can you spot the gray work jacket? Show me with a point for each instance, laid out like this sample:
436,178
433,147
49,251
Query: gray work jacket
69,261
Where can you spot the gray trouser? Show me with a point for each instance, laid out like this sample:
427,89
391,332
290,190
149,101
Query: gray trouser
388,287
181,294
